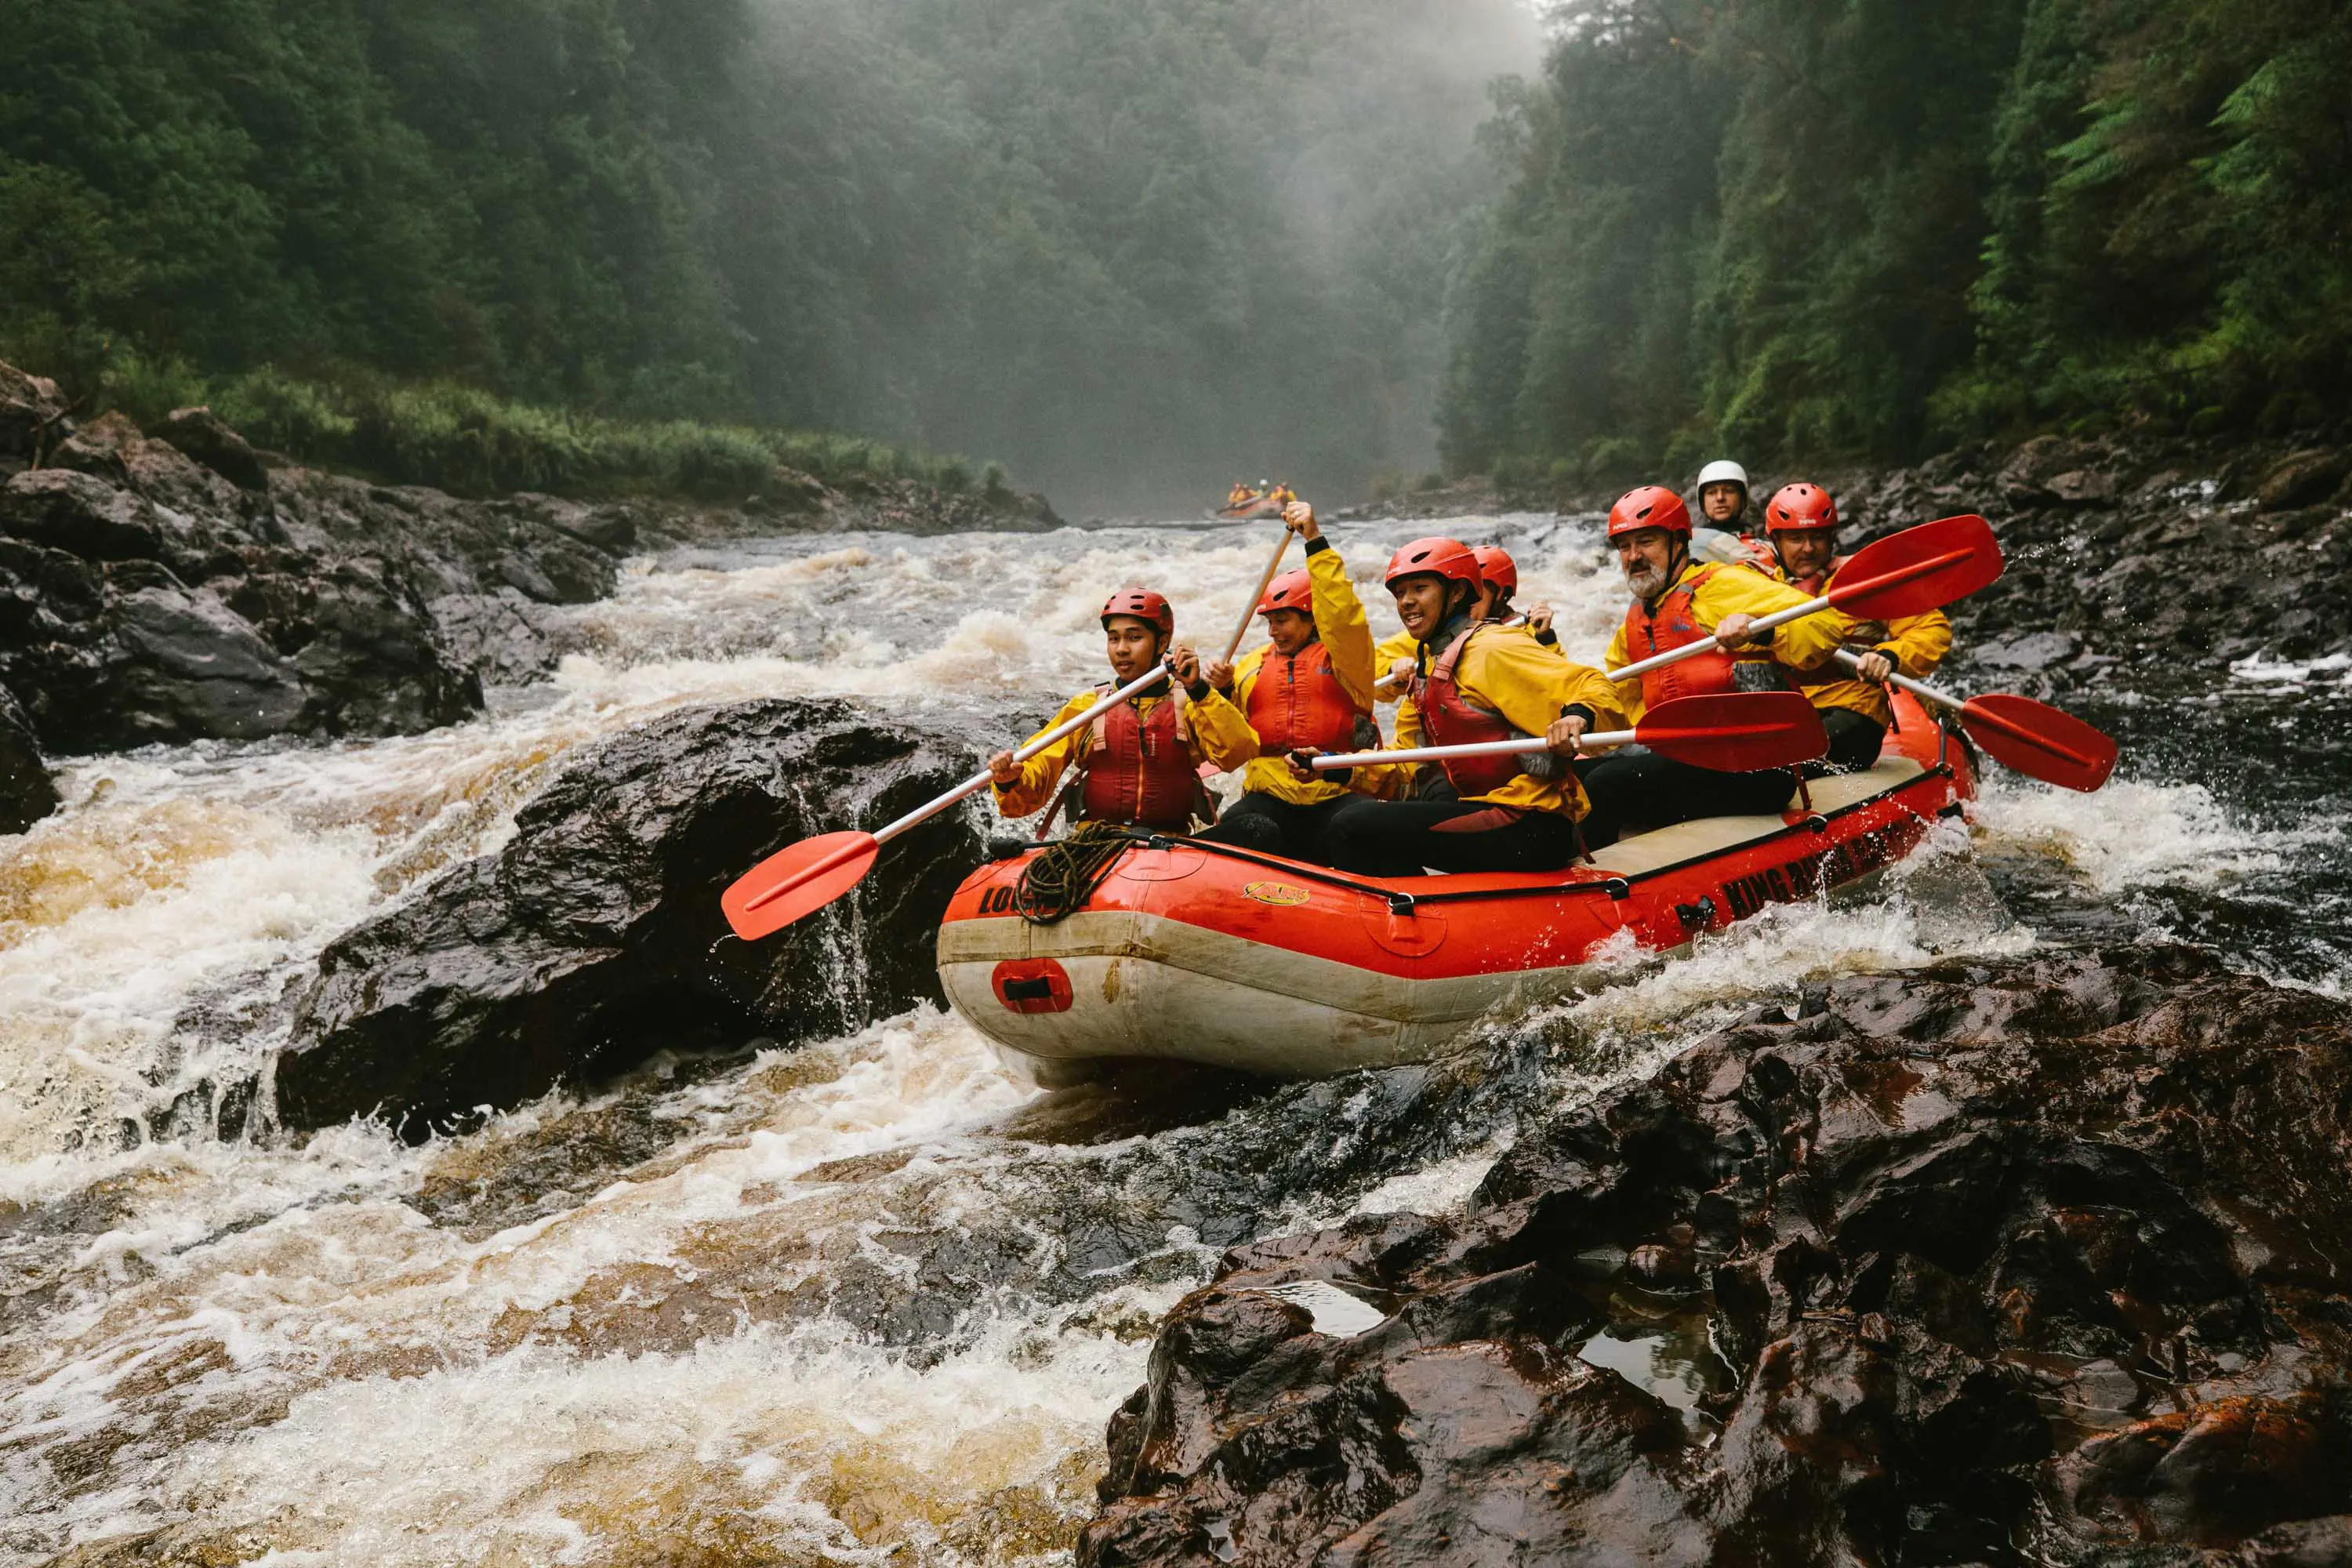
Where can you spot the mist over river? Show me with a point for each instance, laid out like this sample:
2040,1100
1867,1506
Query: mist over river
527,1344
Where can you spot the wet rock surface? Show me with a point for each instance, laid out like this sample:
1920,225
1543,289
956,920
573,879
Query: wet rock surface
2124,551
26,792
2143,553
177,587
2047,1260
593,938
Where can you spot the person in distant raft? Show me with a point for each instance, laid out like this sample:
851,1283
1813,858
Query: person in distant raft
1677,603
1310,685
1240,495
1802,521
1140,761
1474,681
1723,494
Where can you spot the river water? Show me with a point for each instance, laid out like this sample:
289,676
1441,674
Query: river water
871,1300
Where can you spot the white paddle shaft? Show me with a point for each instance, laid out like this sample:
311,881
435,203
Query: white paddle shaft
1597,741
1919,689
1249,610
979,779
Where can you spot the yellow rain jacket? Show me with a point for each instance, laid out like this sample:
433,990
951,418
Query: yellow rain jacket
1916,644
1527,684
1214,732
1740,590
1347,637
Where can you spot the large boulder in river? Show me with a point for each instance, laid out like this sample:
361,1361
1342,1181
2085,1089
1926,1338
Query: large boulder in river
2047,1261
27,794
593,938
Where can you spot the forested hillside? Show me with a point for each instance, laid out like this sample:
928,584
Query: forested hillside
1126,248
1867,228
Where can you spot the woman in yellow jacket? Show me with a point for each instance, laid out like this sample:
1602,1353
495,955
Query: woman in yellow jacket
1475,681
1309,685
1802,521
1141,760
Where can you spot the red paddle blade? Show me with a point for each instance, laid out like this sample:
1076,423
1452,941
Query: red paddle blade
1917,570
797,881
1736,732
2039,741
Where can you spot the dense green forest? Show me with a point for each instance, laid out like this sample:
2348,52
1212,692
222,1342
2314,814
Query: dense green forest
1130,249
1831,228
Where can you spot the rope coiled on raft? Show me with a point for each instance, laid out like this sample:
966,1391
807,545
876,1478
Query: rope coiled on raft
1057,883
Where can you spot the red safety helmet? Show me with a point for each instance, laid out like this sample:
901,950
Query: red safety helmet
1291,591
1495,565
1144,606
1447,558
1650,506
1794,508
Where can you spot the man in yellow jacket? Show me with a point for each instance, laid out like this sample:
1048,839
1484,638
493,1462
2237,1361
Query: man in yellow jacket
1677,603
1140,760
1802,521
1309,685
1475,681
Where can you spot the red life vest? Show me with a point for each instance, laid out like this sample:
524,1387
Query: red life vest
1295,700
1140,770
1453,720
1672,625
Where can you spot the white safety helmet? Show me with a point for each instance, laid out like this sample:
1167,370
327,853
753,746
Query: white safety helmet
1722,471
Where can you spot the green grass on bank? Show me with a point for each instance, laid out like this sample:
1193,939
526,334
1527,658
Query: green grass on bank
470,442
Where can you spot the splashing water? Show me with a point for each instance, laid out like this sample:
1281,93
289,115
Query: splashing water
870,1300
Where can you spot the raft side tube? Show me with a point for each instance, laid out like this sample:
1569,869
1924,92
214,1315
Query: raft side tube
1207,953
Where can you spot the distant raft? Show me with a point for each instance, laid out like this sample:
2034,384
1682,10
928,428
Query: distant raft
1205,954
1250,510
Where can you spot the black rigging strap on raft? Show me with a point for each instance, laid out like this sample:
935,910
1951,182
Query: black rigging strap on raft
1060,878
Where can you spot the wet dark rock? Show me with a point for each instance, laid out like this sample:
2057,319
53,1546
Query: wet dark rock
2082,488
180,586
2302,478
206,438
594,938
2152,551
32,417
2197,550
2032,1262
26,792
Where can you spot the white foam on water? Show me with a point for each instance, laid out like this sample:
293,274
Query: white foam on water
301,1282
2261,669
2135,835
1442,1188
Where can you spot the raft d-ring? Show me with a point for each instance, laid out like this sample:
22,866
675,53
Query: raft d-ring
1817,823
1031,985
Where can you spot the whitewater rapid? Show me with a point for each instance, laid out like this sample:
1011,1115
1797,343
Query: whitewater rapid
848,1303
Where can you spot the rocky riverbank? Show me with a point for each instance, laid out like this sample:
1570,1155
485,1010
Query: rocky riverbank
2048,1262
2138,549
176,584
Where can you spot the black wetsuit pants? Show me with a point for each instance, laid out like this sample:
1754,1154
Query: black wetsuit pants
1633,789
1274,827
1855,739
1403,837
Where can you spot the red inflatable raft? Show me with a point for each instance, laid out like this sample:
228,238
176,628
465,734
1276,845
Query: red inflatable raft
1209,954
